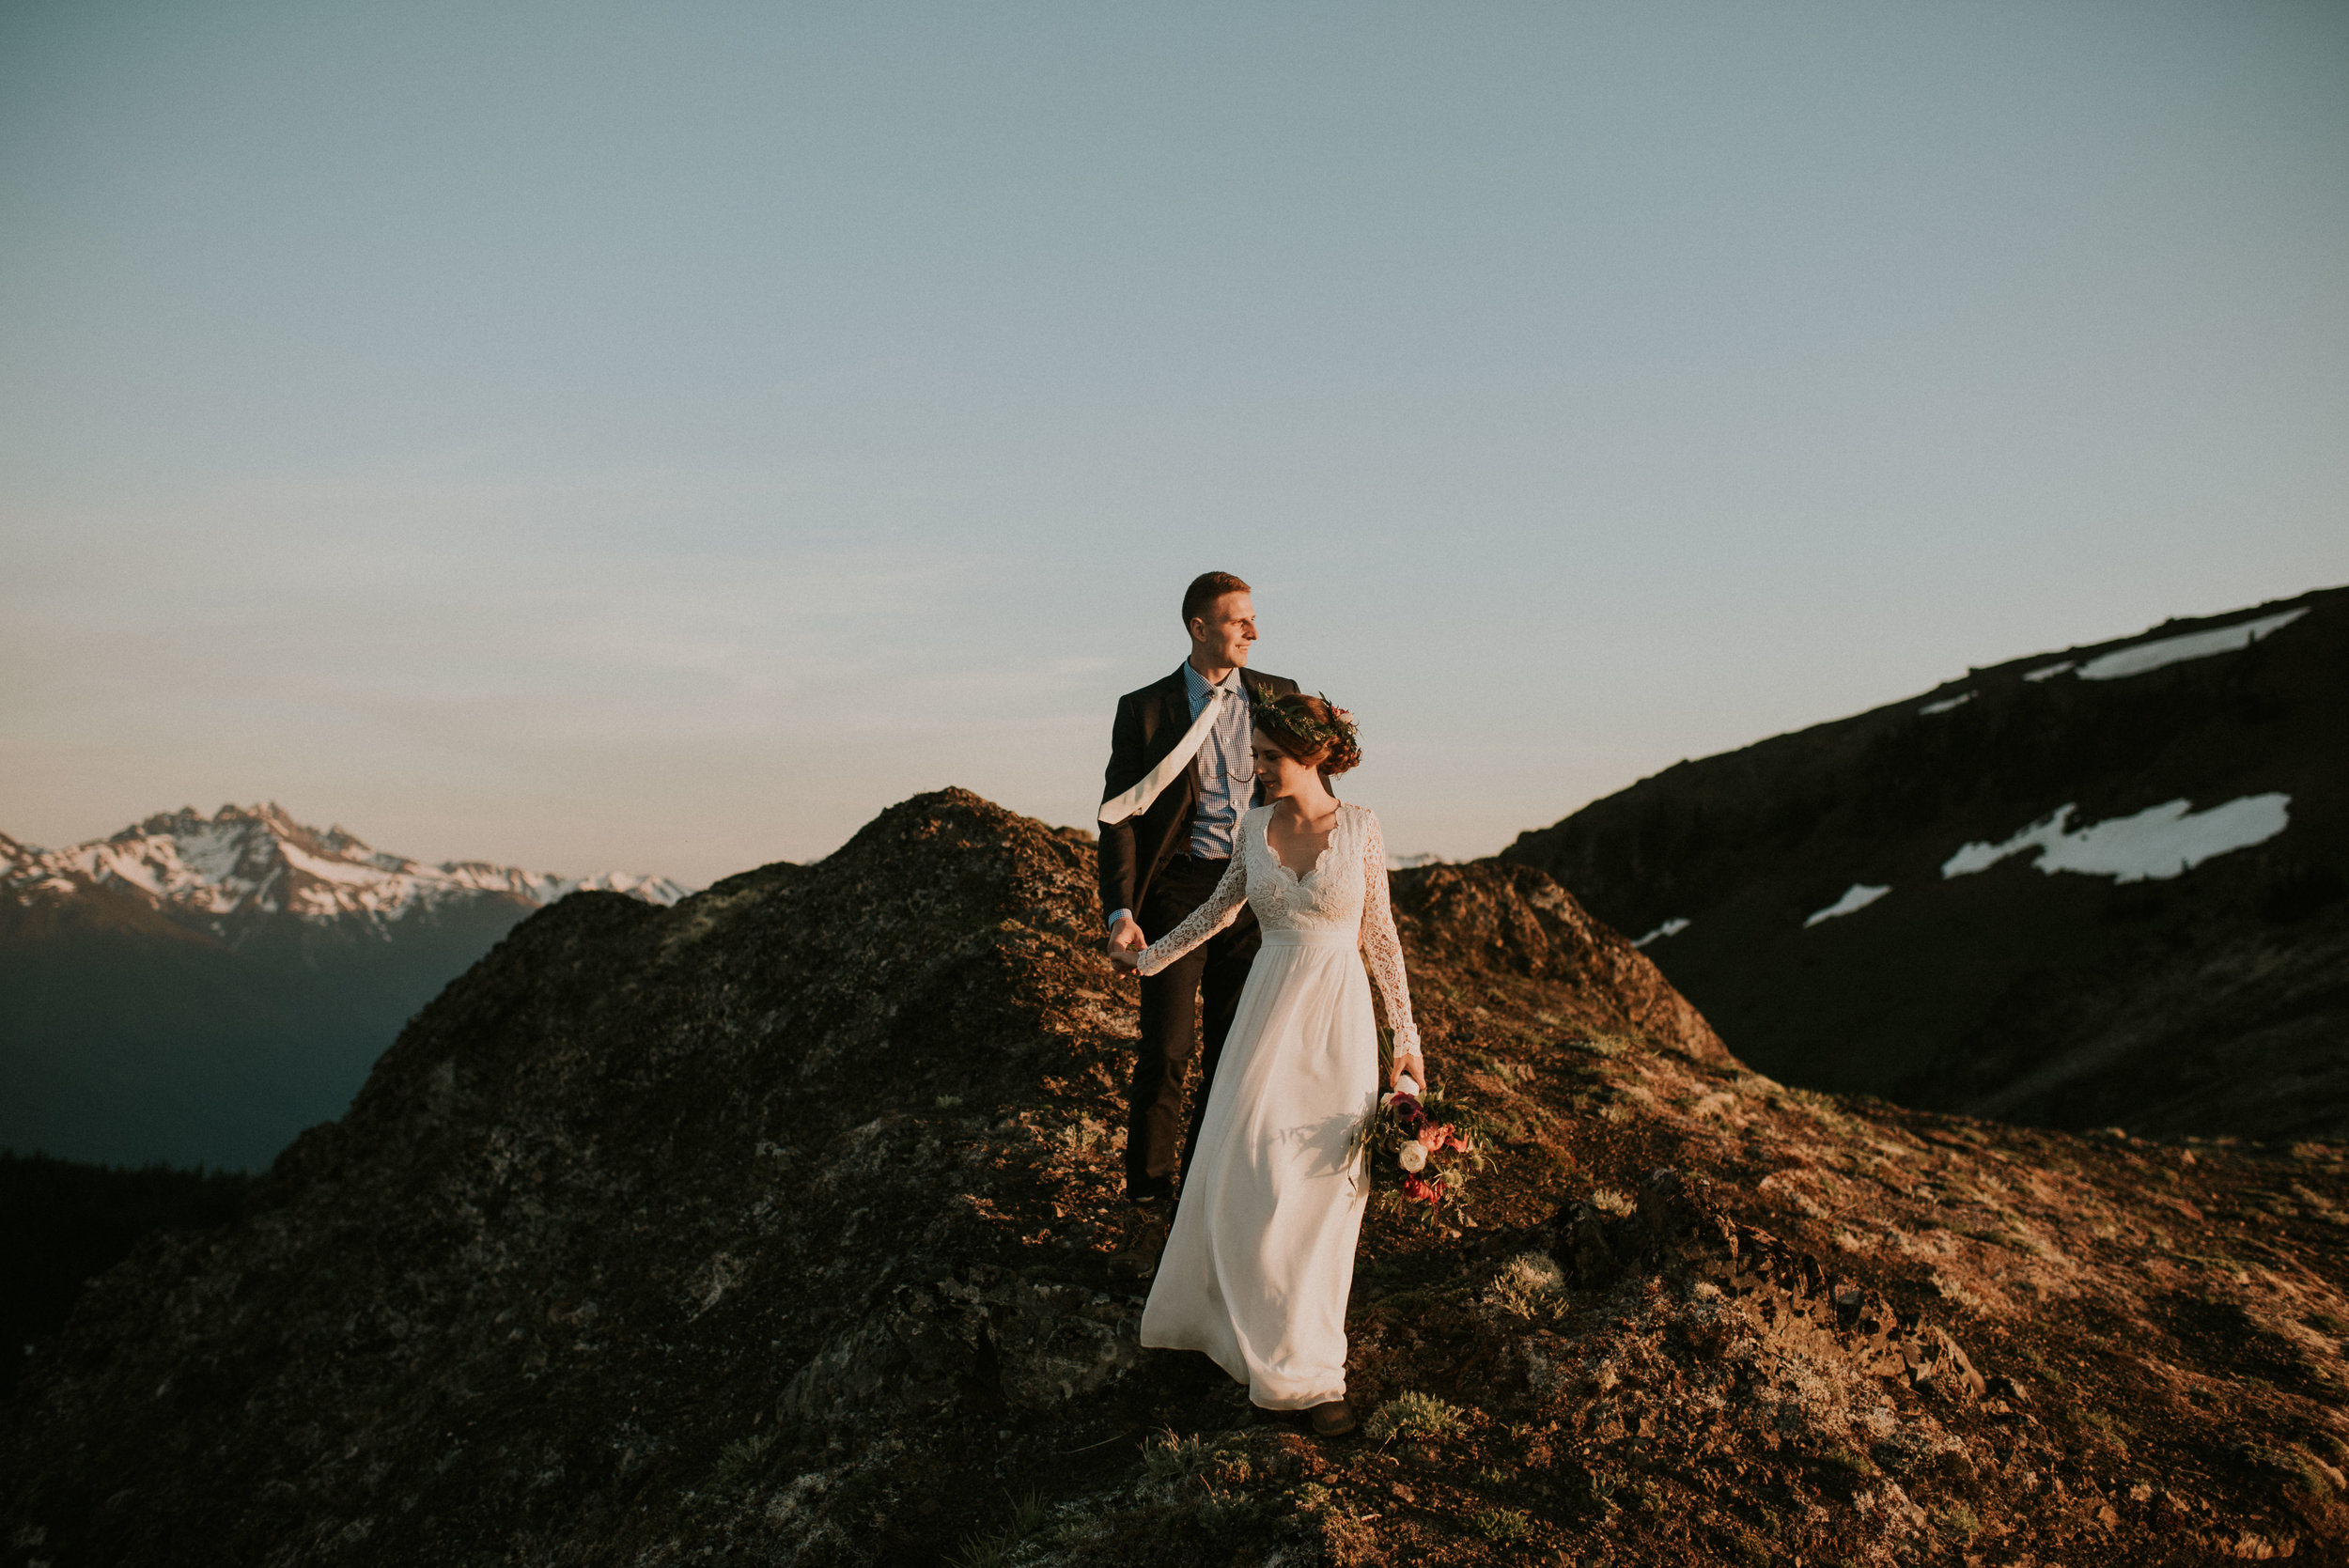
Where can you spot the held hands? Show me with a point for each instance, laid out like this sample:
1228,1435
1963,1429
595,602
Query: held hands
1126,944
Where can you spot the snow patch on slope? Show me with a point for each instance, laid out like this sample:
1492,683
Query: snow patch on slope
1857,896
2135,661
1671,927
2157,843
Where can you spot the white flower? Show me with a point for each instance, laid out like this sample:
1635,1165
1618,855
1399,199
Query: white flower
1412,1156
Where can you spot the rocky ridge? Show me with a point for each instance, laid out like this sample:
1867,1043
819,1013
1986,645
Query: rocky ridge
2106,885
772,1228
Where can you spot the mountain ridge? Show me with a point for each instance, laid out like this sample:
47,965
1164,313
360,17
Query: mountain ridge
774,1228
199,989
245,865
1965,899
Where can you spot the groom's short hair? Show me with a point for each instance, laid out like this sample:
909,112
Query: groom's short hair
1205,590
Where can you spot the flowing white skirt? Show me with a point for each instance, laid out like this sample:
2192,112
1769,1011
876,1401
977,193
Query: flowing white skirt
1261,1257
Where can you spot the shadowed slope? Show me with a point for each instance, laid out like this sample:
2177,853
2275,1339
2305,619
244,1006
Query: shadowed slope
1979,899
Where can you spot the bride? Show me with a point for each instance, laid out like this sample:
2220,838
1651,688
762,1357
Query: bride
1261,1256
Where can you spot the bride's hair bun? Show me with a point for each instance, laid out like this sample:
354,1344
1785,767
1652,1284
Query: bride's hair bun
1311,729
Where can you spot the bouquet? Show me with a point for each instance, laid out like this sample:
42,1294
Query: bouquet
1420,1149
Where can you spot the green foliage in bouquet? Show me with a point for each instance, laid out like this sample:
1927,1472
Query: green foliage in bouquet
1417,1150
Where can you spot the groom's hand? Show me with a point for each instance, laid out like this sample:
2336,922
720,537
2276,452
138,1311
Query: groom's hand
1126,937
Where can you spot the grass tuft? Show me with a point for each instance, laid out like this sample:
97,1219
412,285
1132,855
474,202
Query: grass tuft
1846,1466
985,1549
1505,1525
1414,1415
993,1548
1529,1285
1172,1458
1028,1513
739,1461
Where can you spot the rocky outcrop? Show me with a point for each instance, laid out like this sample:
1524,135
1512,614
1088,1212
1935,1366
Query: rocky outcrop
982,1334
1503,927
2105,886
775,1227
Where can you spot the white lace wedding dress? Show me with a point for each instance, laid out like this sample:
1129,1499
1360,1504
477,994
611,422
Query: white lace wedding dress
1261,1257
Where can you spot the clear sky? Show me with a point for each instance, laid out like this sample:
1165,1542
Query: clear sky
658,436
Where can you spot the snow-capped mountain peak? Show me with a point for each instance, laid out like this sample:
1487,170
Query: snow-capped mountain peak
248,864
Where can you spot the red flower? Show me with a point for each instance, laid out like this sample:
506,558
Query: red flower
1419,1192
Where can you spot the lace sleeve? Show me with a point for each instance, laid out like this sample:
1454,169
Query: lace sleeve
1382,950
1220,910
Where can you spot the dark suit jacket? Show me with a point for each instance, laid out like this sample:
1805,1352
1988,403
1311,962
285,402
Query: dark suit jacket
1149,723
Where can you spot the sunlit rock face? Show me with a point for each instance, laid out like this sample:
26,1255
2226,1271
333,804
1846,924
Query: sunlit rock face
2105,886
775,1227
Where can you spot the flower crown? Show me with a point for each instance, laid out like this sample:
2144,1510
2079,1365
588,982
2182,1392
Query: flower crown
1337,732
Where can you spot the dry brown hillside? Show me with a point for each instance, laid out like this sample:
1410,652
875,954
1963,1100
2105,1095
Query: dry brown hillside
770,1229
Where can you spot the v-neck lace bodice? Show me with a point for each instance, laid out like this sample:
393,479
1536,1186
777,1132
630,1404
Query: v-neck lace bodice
1344,893
1321,857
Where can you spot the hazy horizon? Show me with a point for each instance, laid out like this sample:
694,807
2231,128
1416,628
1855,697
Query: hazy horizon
657,439
312,821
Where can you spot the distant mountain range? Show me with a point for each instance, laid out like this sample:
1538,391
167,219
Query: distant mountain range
199,989
2103,886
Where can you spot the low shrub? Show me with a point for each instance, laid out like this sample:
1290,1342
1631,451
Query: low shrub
1414,1415
1505,1525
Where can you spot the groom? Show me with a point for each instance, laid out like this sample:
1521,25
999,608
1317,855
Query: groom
1180,776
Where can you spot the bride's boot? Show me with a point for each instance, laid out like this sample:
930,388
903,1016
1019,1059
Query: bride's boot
1333,1420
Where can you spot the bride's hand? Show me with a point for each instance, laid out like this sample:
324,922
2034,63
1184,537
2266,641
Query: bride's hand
1125,958
1408,1066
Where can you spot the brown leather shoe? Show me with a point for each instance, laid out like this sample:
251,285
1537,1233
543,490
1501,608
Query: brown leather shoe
1333,1420
1138,1250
